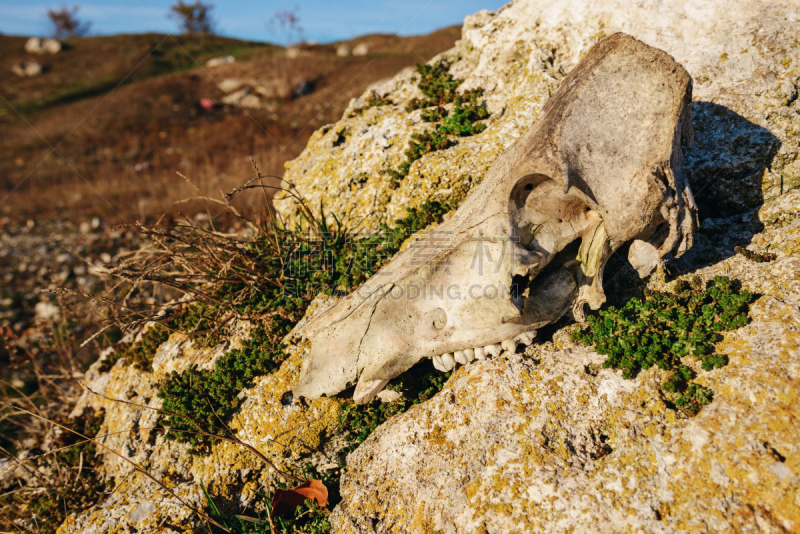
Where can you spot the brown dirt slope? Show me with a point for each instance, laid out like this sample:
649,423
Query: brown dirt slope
104,130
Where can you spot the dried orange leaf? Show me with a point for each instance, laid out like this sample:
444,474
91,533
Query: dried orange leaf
286,501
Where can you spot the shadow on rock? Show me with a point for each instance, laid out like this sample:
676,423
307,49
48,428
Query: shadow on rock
725,165
726,170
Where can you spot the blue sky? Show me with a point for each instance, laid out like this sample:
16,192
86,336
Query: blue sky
321,20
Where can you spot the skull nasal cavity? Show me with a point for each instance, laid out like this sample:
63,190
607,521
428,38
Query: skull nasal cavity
439,318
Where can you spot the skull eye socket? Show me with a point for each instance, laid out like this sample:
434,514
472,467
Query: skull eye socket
539,208
524,187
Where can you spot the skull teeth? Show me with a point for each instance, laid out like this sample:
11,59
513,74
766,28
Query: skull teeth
494,350
526,338
447,362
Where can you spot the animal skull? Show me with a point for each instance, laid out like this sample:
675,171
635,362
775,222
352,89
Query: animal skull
601,166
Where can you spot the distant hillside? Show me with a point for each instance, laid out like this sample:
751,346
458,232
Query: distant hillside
94,65
123,115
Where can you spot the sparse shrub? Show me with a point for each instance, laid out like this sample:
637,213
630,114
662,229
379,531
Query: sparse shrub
65,492
65,23
334,262
288,21
183,318
193,18
663,328
202,401
270,280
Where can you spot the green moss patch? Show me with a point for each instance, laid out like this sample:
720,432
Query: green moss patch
373,100
437,84
203,399
663,328
755,256
439,88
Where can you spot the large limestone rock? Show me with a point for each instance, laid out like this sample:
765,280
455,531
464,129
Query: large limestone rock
27,69
36,45
281,431
255,94
361,49
551,442
544,442
742,55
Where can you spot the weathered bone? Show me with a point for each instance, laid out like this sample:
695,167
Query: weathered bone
601,166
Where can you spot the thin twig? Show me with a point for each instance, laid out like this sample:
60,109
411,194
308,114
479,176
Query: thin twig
136,466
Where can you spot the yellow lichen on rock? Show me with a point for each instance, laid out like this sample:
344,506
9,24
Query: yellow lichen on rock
554,441
283,431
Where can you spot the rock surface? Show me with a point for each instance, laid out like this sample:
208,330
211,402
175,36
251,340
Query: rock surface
283,432
744,60
549,441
